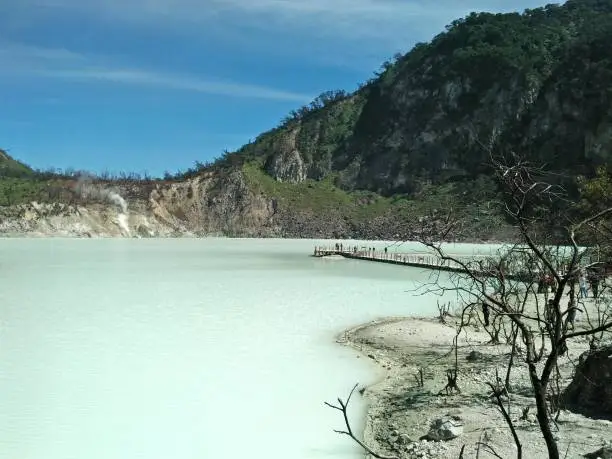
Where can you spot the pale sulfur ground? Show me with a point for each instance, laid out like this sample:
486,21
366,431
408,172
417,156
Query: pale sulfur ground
400,412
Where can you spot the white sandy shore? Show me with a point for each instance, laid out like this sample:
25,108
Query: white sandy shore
400,412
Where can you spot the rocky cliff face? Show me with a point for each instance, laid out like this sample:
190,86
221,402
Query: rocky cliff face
211,204
287,163
205,205
95,220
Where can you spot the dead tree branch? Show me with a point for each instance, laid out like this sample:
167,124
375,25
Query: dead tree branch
500,403
342,407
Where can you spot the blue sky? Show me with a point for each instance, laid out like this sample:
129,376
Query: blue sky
153,85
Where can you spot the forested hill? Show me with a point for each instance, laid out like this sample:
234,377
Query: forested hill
538,83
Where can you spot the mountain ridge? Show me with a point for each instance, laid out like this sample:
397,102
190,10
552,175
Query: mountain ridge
427,114
412,142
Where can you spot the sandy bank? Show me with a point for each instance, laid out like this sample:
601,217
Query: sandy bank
400,411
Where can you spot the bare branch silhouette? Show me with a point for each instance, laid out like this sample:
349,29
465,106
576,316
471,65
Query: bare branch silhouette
342,407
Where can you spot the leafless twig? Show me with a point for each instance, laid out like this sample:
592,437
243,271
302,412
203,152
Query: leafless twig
342,407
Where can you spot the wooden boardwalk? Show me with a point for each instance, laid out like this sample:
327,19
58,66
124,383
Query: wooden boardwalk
425,261
414,260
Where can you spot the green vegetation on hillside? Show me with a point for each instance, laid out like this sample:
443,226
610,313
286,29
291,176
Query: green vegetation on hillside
322,197
20,190
21,184
10,167
317,196
17,182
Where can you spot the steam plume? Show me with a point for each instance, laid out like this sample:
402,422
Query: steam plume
86,189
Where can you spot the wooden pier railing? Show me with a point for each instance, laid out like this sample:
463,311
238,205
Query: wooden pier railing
409,259
424,260
477,264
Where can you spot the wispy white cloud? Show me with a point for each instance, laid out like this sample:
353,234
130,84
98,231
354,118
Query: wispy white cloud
348,34
385,20
177,82
355,34
202,9
18,50
57,63
368,9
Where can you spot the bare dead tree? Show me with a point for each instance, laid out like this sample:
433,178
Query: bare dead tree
601,315
443,311
513,352
525,413
498,391
342,407
488,448
451,384
419,377
545,262
554,396
452,374
494,328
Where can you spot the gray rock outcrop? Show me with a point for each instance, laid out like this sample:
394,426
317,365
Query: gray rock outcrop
444,429
590,392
